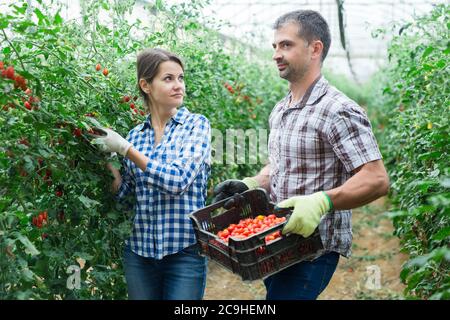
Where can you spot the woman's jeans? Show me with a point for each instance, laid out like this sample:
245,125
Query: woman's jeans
302,281
179,276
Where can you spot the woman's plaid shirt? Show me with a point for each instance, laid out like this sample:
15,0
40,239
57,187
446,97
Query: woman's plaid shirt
173,185
314,146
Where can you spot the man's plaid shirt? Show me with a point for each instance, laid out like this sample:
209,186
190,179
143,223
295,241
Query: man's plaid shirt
314,146
173,185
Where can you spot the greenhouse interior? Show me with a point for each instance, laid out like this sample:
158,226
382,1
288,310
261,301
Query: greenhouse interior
143,138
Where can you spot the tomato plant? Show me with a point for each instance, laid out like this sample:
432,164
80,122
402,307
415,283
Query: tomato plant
60,78
412,122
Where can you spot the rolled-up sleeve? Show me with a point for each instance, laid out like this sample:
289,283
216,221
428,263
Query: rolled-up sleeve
175,177
352,138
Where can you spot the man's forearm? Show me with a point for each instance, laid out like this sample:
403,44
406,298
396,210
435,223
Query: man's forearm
367,185
263,178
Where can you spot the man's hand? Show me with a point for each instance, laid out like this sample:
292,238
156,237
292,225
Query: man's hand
228,188
111,142
308,210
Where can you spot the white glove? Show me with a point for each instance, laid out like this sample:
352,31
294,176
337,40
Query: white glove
112,142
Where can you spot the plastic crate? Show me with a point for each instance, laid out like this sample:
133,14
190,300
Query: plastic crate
251,258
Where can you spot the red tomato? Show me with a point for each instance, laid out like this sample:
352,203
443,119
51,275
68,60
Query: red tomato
77,132
10,72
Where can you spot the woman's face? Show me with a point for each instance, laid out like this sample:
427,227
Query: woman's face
167,87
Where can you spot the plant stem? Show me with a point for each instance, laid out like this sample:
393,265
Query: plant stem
12,46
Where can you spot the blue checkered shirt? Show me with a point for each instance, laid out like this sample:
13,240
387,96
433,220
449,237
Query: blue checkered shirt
173,185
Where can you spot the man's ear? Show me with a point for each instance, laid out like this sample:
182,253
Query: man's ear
144,85
317,48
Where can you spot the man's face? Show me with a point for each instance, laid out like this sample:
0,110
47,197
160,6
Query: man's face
292,53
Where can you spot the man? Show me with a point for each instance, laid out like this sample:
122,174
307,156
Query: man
323,157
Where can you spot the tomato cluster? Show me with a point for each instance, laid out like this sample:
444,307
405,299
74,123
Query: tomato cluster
248,227
19,82
229,87
41,219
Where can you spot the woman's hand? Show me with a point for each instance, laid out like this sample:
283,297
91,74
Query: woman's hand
111,141
117,177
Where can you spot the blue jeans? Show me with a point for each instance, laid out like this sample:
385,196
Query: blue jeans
302,281
179,276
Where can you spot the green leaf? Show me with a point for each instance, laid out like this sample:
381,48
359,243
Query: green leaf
428,67
29,247
27,274
442,234
83,255
112,215
418,261
427,52
441,64
159,5
4,23
22,9
58,20
429,155
6,50
404,274
88,203
39,15
44,153
93,122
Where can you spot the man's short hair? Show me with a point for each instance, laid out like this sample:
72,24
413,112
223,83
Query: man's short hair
312,26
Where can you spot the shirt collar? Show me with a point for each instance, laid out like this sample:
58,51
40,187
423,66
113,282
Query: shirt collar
320,89
179,117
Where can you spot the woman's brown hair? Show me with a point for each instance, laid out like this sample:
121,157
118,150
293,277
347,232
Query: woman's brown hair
148,62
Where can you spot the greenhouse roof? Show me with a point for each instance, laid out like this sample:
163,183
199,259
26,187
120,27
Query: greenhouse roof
251,21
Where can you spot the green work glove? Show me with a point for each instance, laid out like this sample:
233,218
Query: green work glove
308,210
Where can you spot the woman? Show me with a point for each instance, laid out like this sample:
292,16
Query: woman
166,165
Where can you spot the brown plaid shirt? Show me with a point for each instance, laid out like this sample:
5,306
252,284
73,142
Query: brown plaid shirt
314,146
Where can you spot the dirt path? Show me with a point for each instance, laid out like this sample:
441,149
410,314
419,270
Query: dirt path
375,251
